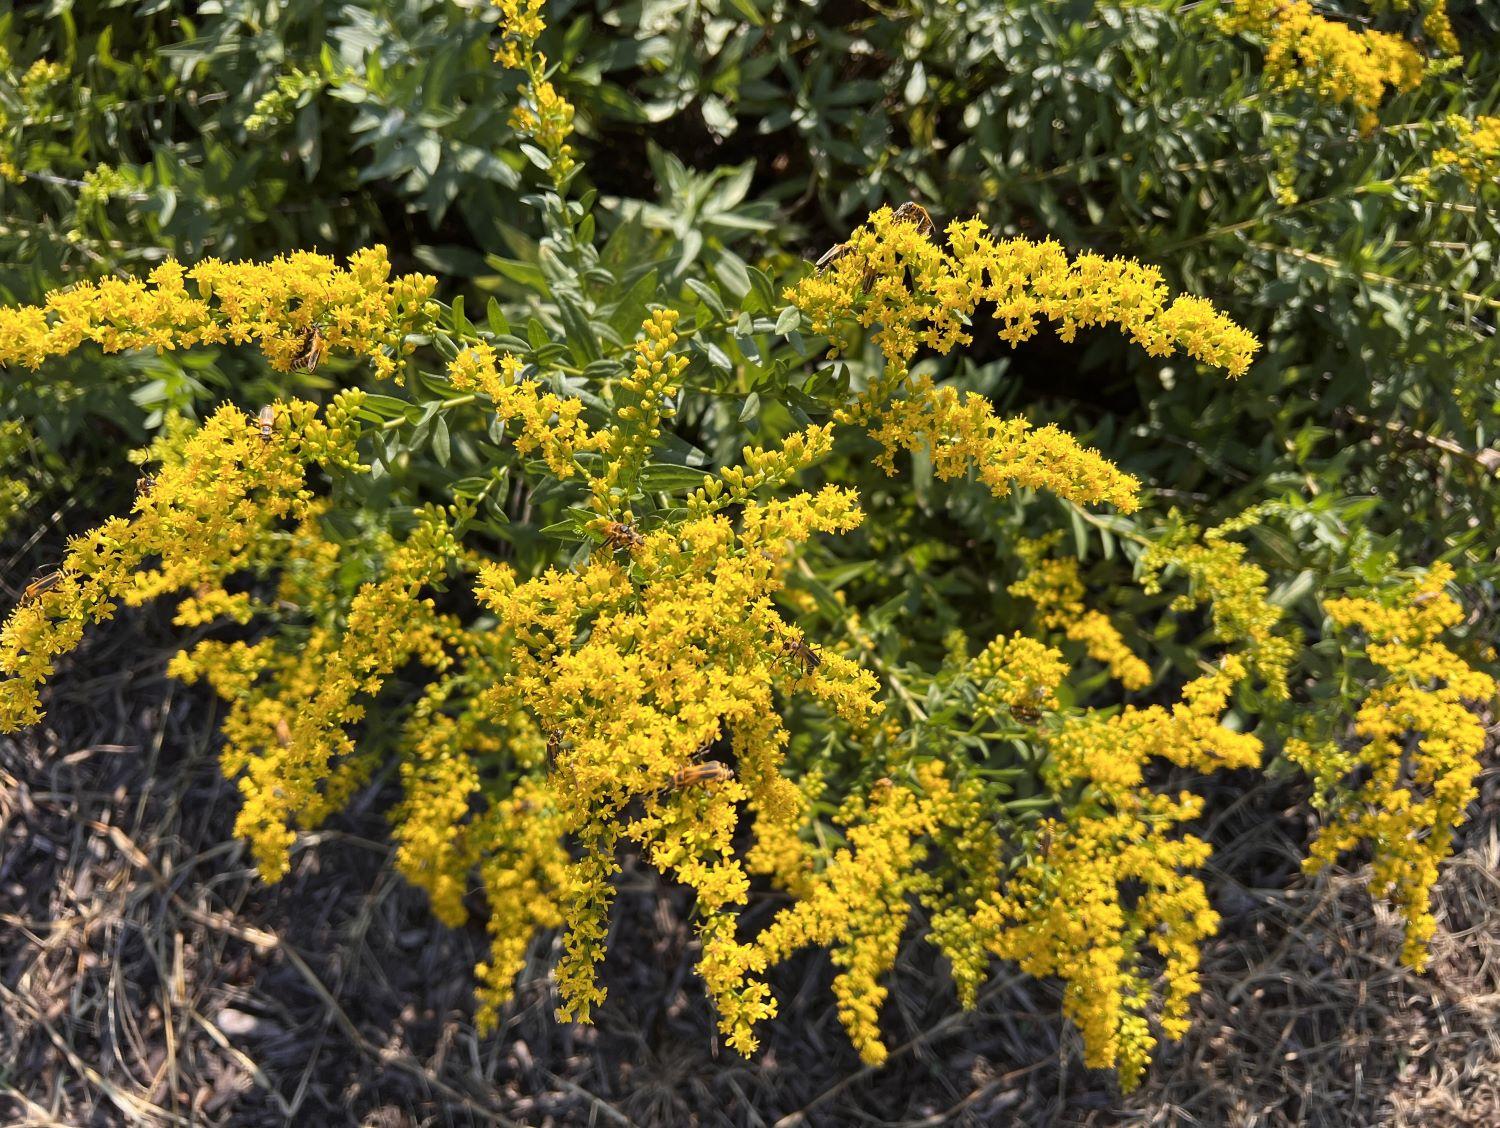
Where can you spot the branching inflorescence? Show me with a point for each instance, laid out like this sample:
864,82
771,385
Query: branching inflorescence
659,693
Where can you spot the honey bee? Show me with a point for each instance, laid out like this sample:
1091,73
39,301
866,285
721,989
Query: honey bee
711,771
621,536
801,652
41,585
283,732
310,355
266,421
913,212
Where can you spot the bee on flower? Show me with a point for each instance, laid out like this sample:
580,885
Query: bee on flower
909,212
622,536
266,421
311,352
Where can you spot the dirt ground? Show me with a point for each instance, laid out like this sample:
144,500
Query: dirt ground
148,977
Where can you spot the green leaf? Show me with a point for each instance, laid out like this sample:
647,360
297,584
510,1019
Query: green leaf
378,407
710,297
495,316
661,477
731,270
580,333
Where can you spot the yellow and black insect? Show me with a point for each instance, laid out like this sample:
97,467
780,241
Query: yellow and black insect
144,485
266,421
621,536
711,771
311,352
1028,709
800,651
41,585
913,212
909,212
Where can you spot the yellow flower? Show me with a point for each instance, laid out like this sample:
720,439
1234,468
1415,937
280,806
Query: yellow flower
683,654
1331,60
1063,913
891,277
209,513
1056,588
1235,590
1420,752
278,304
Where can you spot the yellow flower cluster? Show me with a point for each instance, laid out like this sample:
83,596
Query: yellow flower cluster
28,93
1435,22
547,422
1236,592
892,277
1018,674
680,660
210,511
292,699
280,304
858,904
544,115
523,866
646,394
1419,756
1331,60
1063,913
1473,154
779,850
274,109
762,468
963,432
521,25
1055,586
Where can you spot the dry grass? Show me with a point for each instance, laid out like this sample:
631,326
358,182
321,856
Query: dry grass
147,977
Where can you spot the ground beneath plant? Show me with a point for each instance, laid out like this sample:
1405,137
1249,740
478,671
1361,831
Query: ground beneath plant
148,977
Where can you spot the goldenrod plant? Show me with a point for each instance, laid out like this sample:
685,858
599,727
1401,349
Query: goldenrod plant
756,564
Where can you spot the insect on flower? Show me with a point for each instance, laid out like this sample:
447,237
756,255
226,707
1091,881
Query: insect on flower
623,536
913,212
1028,709
283,732
310,355
909,212
266,421
144,485
799,650
41,585
709,772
